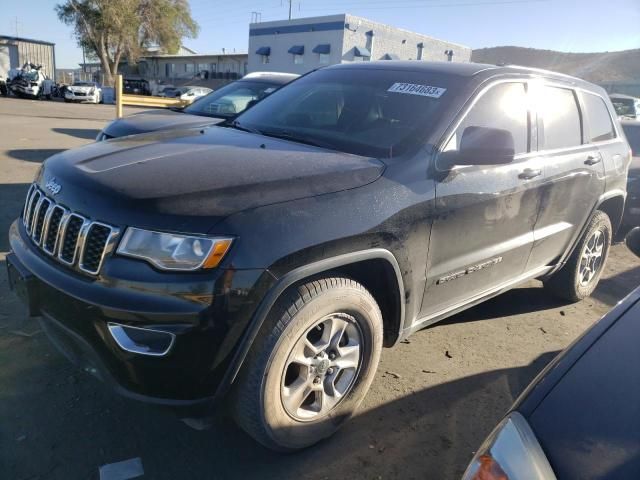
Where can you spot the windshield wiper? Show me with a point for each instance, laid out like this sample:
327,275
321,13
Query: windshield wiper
238,126
285,135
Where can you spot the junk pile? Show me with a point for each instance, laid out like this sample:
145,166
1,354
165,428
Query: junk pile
29,81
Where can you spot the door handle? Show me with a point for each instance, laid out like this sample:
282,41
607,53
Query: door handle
529,173
593,159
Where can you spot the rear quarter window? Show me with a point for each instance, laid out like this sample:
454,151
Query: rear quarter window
600,124
562,127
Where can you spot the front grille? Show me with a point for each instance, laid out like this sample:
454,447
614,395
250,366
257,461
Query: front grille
70,240
94,245
51,236
67,236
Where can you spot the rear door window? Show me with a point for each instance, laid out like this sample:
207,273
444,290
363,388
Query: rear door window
503,106
562,125
600,124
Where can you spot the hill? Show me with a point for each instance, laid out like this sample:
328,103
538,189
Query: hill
601,68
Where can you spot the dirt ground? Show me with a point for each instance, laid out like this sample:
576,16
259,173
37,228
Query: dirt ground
433,401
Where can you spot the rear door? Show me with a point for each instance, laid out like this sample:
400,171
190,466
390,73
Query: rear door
483,231
573,172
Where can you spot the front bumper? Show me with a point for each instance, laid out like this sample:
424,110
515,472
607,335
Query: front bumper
207,312
81,98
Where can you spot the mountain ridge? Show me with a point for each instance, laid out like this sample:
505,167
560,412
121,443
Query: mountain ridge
598,67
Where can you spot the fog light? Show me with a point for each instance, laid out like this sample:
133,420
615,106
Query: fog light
143,341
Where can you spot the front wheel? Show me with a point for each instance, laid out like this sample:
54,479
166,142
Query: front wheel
311,365
579,277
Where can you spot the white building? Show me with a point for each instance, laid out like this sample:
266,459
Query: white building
16,51
300,45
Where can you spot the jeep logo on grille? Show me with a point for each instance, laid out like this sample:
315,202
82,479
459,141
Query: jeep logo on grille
53,187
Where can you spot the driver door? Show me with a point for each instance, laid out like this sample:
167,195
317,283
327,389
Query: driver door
485,214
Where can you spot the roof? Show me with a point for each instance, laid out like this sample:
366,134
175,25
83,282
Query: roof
23,39
621,95
274,77
198,55
459,68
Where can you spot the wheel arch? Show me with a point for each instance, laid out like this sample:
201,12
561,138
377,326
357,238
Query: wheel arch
353,265
613,205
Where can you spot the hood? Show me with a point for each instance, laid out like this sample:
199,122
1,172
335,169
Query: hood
81,88
155,120
187,180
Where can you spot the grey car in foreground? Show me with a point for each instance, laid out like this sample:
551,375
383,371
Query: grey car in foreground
220,105
580,417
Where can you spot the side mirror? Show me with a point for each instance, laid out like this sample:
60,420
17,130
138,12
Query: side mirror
483,146
633,241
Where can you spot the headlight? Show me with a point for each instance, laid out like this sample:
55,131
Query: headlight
511,452
170,251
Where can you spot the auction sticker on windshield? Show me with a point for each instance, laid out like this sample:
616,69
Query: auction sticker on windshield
415,89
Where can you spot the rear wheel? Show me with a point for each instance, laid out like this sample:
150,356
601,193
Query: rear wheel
311,366
580,275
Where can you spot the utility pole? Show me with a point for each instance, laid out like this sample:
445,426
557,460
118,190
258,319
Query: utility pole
290,2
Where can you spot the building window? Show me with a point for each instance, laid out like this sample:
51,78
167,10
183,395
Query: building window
202,67
189,67
265,59
324,58
298,59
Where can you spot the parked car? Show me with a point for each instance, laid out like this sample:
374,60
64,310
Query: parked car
579,417
185,93
29,82
627,107
271,259
631,217
222,104
85,92
136,86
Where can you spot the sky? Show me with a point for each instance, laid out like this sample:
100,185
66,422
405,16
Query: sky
565,25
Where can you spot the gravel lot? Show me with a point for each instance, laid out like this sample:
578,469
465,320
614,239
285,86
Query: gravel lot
434,400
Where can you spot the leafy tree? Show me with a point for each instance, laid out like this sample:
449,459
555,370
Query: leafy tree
116,29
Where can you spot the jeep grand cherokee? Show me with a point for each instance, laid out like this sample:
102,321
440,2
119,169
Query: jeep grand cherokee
272,258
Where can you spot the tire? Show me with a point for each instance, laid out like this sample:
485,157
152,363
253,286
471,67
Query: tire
569,282
263,402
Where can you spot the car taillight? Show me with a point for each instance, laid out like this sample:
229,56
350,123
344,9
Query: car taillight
511,452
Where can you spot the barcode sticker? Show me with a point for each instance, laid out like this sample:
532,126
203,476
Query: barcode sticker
415,89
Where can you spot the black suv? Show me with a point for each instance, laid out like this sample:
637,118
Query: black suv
273,257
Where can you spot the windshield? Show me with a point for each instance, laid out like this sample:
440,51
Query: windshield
377,113
632,132
231,99
82,84
624,106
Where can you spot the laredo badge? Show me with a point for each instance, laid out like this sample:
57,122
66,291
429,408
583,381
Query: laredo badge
415,89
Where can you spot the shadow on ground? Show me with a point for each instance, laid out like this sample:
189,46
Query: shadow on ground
514,302
62,424
33,154
12,197
84,133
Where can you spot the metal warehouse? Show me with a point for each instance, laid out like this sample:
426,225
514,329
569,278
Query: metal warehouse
303,44
16,51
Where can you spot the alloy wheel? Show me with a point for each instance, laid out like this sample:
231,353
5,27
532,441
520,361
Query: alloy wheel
322,367
592,256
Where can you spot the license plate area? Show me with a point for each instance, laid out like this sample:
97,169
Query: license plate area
23,284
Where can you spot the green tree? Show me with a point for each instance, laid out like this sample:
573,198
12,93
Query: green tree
115,29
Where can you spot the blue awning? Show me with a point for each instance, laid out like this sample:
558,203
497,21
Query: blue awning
390,56
264,51
322,48
297,50
361,52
